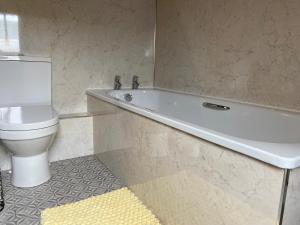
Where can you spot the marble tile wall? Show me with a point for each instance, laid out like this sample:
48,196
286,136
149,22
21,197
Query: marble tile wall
183,179
243,50
74,139
89,42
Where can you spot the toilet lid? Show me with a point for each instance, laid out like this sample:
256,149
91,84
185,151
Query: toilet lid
27,117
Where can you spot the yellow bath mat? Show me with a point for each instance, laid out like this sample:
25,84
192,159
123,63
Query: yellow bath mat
120,207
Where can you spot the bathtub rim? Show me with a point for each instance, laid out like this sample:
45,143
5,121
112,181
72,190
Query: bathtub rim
285,156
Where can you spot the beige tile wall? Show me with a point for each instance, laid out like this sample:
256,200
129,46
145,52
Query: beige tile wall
242,50
74,139
89,42
185,180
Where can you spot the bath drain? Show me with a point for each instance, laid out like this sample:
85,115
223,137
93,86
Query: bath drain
128,97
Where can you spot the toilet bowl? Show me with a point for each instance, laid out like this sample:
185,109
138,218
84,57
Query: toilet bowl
28,132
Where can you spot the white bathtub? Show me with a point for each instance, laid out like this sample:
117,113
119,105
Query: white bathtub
268,135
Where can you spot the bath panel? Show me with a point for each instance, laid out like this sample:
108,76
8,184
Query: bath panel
185,180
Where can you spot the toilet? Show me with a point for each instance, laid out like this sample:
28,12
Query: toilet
28,122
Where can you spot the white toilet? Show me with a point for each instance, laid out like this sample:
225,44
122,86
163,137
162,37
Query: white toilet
28,123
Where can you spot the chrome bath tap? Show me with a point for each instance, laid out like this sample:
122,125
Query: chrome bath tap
135,83
117,83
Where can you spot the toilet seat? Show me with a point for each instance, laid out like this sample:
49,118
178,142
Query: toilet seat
27,134
27,122
23,118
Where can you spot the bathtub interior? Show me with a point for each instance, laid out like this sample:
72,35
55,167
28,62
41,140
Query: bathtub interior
241,121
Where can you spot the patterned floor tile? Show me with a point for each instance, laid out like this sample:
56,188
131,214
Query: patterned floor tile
72,180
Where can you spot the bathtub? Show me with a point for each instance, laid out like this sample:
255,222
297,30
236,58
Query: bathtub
269,135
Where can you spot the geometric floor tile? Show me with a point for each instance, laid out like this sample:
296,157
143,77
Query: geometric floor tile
72,180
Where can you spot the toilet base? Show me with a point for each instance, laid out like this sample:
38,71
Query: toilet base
30,171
